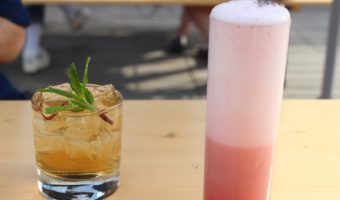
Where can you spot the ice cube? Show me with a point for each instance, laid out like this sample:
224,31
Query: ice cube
47,144
102,145
74,149
54,126
52,99
80,149
77,145
82,127
80,131
105,96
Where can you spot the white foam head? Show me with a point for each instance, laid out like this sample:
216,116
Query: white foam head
250,12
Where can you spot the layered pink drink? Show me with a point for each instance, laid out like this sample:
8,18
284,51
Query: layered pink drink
247,58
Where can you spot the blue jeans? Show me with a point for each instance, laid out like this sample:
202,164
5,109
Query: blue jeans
36,13
8,91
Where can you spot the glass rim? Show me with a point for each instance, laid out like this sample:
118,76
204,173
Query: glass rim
80,114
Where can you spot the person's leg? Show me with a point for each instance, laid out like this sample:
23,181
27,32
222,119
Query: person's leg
35,57
33,36
32,45
184,25
200,17
180,41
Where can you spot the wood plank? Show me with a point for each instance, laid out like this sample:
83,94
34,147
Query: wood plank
307,2
163,148
178,2
153,2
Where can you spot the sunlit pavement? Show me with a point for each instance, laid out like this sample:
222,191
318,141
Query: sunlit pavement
128,46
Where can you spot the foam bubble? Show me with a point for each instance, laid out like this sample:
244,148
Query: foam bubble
249,12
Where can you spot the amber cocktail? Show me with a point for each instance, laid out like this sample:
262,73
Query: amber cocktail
78,152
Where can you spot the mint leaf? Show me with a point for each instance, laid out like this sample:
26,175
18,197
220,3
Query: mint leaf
74,79
55,109
60,92
89,97
83,105
86,71
80,98
82,91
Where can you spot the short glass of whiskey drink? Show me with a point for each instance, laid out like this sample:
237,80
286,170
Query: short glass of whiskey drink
78,152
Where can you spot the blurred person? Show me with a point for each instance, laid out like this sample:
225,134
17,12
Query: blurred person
35,57
180,41
13,20
199,15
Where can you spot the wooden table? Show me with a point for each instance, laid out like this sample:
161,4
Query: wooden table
163,146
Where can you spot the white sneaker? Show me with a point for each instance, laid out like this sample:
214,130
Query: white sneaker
32,63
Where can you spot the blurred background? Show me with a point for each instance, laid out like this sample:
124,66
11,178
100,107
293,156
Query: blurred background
129,46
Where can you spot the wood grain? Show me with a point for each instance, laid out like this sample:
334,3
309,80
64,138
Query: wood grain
163,147
179,2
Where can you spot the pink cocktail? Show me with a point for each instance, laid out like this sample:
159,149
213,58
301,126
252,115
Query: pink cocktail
247,58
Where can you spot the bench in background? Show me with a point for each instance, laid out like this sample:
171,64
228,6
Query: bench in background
178,2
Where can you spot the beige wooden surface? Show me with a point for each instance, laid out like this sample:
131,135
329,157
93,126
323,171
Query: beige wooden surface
163,144
179,2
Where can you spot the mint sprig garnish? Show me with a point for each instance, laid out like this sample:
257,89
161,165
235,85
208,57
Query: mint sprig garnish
80,98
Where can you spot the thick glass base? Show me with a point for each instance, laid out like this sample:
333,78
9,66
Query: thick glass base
71,190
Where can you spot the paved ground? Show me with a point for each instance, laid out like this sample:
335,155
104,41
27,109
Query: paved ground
127,45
